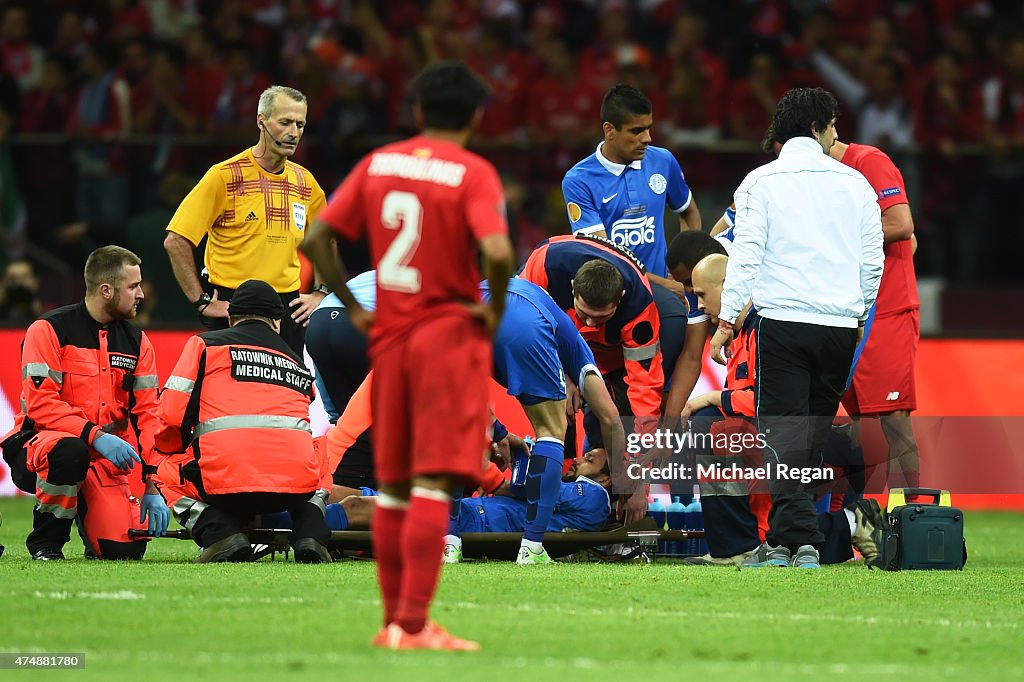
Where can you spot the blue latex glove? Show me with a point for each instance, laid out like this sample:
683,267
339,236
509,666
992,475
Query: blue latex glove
121,454
155,508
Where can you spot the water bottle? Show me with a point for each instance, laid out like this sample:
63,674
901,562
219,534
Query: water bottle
657,511
520,465
695,521
677,521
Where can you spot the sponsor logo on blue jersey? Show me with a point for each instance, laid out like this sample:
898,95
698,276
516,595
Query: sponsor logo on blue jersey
632,232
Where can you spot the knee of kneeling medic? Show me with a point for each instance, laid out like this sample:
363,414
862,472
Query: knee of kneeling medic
68,462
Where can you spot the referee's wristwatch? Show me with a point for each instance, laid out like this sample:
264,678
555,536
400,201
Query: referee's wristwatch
204,300
322,288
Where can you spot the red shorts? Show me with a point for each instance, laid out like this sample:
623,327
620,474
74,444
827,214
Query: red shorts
429,398
883,381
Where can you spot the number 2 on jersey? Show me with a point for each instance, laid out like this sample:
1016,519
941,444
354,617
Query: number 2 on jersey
401,211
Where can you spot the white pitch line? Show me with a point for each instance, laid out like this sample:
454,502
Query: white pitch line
123,595
566,610
547,608
732,615
350,657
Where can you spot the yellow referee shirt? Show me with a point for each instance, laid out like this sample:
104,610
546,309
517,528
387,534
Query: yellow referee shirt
255,220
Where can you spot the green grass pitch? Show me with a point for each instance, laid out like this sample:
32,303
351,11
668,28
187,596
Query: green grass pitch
167,619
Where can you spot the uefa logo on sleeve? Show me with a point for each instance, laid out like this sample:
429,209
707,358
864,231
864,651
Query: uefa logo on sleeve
657,183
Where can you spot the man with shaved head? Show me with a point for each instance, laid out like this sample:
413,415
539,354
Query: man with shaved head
708,276
732,528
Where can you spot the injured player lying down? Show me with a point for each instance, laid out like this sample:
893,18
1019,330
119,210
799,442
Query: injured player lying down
583,504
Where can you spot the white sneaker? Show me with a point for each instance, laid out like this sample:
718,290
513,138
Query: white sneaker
527,557
452,554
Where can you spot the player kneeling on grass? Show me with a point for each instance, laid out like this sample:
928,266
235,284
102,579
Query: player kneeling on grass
235,413
88,411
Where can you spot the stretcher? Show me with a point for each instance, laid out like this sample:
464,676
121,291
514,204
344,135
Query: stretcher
637,540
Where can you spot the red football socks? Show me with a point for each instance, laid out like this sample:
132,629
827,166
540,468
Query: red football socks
422,544
388,520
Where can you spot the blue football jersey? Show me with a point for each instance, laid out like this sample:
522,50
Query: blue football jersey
582,505
627,202
727,236
694,314
576,357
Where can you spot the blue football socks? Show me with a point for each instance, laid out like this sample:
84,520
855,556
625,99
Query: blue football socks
543,482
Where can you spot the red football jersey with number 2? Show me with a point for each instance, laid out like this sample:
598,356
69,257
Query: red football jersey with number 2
423,204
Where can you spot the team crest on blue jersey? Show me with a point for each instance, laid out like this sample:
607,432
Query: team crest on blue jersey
657,183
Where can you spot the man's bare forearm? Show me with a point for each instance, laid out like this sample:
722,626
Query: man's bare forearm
327,267
498,268
690,218
596,394
687,370
180,252
662,281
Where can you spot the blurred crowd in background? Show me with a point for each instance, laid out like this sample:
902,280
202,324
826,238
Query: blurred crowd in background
111,109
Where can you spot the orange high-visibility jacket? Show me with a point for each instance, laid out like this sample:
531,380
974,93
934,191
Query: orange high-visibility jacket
238,400
85,378
630,339
741,372
352,432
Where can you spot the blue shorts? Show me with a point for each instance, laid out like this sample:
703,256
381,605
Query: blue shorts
526,358
498,514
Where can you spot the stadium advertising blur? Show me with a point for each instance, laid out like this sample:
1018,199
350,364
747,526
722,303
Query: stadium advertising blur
955,378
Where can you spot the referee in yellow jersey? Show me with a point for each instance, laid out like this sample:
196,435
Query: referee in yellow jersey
254,208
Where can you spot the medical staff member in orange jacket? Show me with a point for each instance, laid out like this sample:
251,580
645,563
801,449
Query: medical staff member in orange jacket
235,413
88,409
605,291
